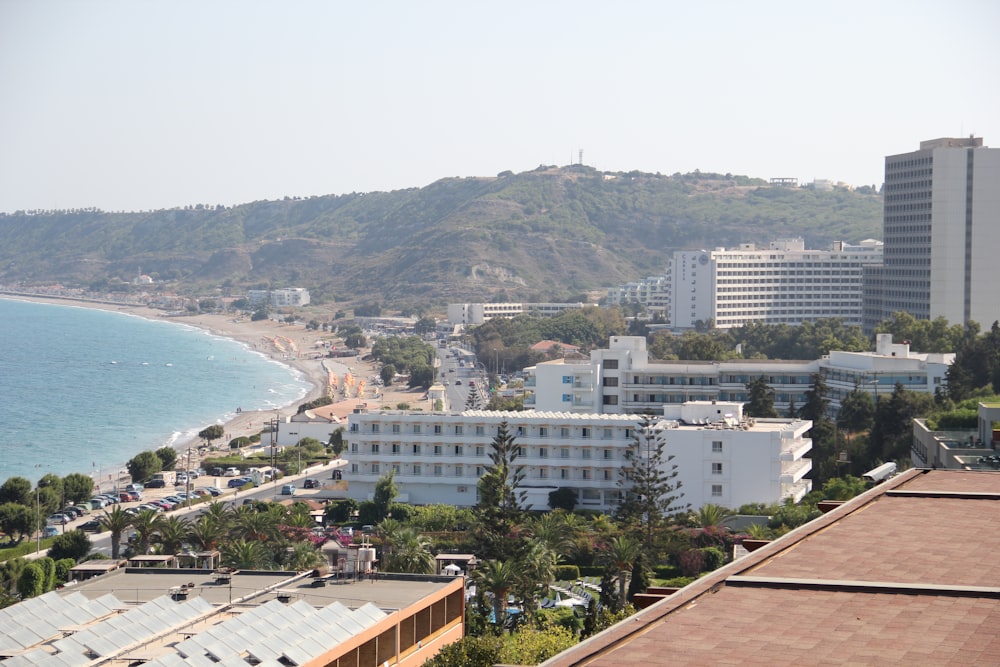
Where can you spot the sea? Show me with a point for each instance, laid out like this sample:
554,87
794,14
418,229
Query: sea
85,390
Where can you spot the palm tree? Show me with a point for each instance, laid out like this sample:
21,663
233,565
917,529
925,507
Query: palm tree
117,522
411,553
303,556
172,531
207,533
245,555
553,531
145,524
388,530
254,526
712,515
218,512
620,553
497,578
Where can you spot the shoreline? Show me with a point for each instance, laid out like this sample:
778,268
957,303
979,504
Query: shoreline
264,336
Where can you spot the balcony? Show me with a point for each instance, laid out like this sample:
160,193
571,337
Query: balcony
793,472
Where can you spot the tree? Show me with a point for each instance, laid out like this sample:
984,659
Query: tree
117,522
563,498
17,490
77,487
857,411
411,553
144,524
761,395
143,466
17,521
501,504
387,373
620,554
472,402
336,441
53,483
31,583
210,433
207,532
425,325
497,578
72,544
385,493
167,456
172,531
245,555
646,481
356,341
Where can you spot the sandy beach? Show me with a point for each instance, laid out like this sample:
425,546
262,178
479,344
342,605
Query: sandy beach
291,344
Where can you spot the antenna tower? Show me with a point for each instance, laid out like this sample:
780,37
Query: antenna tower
581,156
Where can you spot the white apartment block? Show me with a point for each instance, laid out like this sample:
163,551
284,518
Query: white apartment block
477,313
781,284
279,298
652,292
942,204
722,458
623,380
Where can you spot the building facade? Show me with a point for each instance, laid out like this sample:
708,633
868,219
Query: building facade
287,297
722,458
477,313
622,379
942,204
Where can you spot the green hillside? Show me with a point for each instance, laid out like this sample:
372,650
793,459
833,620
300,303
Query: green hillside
548,234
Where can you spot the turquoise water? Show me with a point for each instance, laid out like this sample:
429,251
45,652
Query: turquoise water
84,390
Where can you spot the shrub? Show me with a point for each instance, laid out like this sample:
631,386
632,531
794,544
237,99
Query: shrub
714,558
31,583
63,566
666,571
692,562
567,572
49,568
73,544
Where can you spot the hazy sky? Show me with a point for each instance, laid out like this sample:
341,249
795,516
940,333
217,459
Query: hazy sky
134,105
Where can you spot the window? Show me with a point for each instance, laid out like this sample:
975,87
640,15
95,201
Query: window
354,448
716,490
416,449
610,382
395,428
563,432
716,467
458,430
567,379
567,398
395,468
609,400
564,453
479,471
716,446
628,433
586,454
608,455
458,471
607,475
396,448
437,429
563,473
543,432
585,432
458,450
354,467
543,473
374,428
374,448
585,473
521,451
416,469
480,430
416,428
543,452
437,450
608,434
520,430
375,468
438,470
480,450
354,428
611,364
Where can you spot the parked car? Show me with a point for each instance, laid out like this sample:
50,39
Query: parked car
311,484
84,509
214,491
58,520
129,496
72,512
218,472
98,503
239,481
135,488
50,531
156,484
232,472
92,526
288,490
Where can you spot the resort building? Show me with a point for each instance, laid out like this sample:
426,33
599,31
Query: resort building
477,313
623,380
781,284
941,236
721,457
278,298
167,617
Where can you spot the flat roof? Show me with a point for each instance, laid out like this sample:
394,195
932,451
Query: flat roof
903,574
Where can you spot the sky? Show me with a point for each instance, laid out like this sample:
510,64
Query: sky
125,105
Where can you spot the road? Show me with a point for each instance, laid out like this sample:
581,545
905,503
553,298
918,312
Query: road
457,368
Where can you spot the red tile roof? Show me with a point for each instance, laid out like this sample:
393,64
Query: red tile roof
904,574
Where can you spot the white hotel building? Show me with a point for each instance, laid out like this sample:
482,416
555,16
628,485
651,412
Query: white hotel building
623,380
722,458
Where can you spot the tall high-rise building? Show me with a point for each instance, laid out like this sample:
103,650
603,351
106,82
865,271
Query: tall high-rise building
941,234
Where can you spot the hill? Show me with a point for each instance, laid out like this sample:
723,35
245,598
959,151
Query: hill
548,234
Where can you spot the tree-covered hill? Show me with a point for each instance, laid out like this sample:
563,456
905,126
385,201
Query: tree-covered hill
548,234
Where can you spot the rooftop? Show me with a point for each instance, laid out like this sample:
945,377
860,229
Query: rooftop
903,574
